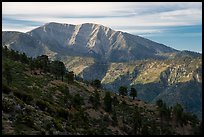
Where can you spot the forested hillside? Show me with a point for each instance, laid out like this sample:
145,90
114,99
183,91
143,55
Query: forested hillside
41,97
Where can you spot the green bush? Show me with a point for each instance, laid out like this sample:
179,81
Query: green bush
63,113
27,98
65,91
23,121
91,131
70,128
45,106
42,104
58,125
95,99
48,125
6,89
7,105
77,101
28,120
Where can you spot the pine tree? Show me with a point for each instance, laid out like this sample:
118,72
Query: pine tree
7,73
44,62
159,103
108,102
58,69
70,76
62,69
5,51
115,101
123,106
77,101
96,83
137,123
54,68
178,112
23,58
133,93
95,99
123,90
31,65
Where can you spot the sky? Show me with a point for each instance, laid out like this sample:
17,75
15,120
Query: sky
175,24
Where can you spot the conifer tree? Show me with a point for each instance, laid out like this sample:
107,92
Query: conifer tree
7,73
108,102
133,93
123,90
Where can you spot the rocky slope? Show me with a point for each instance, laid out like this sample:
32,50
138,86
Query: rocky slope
34,103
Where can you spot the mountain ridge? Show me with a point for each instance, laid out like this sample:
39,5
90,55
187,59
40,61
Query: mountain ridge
96,41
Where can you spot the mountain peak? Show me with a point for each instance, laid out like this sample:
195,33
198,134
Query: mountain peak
98,41
65,24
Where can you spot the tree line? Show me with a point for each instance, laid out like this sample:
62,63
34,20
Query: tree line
177,114
123,90
41,63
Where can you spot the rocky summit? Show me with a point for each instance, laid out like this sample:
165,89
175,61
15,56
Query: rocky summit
86,39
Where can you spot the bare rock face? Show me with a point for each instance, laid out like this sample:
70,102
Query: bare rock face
86,39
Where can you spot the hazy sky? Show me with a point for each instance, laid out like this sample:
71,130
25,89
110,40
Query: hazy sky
175,24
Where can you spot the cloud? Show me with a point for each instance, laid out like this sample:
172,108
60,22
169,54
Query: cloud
18,27
111,14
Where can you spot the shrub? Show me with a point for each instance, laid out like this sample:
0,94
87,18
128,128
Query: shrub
7,105
45,106
77,101
28,120
58,125
63,113
95,99
6,89
48,125
65,91
27,98
41,104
